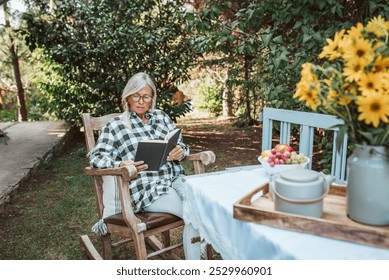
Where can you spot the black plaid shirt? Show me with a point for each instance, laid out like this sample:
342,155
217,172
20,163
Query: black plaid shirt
118,142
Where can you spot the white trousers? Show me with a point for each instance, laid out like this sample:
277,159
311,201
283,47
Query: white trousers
172,203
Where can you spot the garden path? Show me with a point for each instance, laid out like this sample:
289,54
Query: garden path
29,144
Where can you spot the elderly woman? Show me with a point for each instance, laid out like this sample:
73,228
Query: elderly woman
152,191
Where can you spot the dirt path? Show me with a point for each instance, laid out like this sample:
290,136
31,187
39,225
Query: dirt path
233,146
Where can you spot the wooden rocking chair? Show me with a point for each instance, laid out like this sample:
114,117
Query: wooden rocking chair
140,228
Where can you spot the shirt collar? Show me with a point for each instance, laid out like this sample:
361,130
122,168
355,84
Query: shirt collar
149,115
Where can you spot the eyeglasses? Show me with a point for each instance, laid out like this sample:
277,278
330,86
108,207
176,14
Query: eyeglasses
145,98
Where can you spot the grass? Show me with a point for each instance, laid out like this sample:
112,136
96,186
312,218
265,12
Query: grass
49,213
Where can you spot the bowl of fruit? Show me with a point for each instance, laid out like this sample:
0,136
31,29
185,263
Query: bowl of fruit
282,157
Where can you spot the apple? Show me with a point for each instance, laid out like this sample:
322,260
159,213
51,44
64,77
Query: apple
283,148
265,153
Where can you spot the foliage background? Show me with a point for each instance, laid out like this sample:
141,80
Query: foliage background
92,48
87,50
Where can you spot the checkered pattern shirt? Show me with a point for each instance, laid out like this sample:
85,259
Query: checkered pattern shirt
118,142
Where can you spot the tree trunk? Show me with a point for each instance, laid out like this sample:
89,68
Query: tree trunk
247,93
227,97
22,110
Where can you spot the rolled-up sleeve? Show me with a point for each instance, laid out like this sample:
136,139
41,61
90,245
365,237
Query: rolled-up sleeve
105,153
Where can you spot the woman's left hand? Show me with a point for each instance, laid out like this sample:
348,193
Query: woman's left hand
176,154
140,165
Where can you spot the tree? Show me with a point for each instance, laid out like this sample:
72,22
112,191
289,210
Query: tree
214,31
95,46
10,40
267,41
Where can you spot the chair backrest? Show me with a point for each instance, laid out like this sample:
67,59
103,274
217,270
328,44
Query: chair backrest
308,122
93,125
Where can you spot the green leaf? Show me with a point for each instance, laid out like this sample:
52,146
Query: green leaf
234,24
277,62
322,4
317,36
216,10
278,39
306,38
297,25
266,38
283,57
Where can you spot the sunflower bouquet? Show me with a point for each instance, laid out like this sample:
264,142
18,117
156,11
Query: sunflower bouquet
353,81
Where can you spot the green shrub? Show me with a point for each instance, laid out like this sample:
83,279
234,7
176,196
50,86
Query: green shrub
8,115
211,96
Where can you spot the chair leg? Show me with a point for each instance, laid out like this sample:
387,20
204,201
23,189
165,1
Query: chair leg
140,246
107,246
90,249
166,242
209,252
166,238
165,252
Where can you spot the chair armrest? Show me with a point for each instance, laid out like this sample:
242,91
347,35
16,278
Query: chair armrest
206,157
128,172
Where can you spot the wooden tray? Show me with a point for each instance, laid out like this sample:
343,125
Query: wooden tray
334,222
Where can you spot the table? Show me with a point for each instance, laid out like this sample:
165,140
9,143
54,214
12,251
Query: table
209,207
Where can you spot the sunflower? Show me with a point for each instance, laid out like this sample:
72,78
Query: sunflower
308,92
373,109
385,82
351,89
381,64
307,73
333,50
370,83
377,26
360,50
353,70
353,82
335,98
356,31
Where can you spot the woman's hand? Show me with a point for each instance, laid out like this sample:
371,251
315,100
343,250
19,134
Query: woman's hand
140,165
176,154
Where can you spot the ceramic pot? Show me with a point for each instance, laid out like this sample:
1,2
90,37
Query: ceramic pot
300,191
368,185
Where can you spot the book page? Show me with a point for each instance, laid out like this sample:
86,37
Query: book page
172,133
154,141
173,139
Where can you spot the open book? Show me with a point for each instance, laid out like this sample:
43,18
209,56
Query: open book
155,152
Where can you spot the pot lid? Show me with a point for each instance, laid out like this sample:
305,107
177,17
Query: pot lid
299,175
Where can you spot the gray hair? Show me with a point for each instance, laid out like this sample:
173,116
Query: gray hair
135,84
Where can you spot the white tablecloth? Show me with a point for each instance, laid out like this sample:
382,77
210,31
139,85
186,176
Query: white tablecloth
209,207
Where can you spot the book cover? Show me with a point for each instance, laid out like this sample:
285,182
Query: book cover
155,152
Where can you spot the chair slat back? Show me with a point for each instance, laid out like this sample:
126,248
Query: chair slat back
92,125
308,122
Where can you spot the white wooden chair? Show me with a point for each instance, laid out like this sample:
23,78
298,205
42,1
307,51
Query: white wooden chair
308,122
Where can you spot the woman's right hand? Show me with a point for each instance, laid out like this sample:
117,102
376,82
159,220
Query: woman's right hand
140,165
